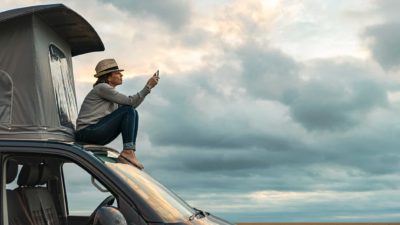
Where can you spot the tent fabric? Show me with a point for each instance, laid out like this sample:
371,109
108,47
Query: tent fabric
5,97
16,54
70,26
38,93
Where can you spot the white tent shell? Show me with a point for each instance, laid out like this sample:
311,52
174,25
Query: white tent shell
37,93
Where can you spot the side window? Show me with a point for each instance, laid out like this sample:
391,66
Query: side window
5,97
82,196
63,85
11,174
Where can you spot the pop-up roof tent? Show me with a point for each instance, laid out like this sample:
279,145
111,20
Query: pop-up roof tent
37,93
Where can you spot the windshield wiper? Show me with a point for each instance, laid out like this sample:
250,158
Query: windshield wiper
198,214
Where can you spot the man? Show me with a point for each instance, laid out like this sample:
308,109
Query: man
106,113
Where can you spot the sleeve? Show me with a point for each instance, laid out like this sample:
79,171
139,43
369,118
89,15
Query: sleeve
109,93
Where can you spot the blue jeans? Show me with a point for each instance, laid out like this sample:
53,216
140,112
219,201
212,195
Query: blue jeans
123,120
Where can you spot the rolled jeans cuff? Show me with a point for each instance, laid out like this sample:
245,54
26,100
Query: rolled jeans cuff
129,145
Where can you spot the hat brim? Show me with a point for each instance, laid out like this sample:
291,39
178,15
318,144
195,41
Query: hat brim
97,75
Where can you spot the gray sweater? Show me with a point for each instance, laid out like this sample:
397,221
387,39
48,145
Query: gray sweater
102,100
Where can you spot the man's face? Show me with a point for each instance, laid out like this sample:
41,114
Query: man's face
115,79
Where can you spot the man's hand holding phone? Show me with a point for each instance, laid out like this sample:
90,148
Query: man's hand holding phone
157,74
153,81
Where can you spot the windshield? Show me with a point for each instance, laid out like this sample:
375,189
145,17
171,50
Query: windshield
166,203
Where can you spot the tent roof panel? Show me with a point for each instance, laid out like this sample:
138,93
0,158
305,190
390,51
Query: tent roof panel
72,27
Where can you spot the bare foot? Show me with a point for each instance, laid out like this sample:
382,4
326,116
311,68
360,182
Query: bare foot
129,156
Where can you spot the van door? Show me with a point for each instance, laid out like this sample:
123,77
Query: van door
60,192
83,194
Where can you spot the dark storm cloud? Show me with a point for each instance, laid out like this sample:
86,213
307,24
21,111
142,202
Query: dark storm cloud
373,152
243,161
174,13
383,38
268,73
336,96
384,44
285,174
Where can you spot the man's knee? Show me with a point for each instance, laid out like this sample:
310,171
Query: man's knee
129,109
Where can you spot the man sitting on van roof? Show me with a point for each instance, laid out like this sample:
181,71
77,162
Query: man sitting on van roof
106,113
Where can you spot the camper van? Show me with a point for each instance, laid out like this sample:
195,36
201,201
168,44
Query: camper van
47,178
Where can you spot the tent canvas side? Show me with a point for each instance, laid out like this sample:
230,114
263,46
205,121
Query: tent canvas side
43,104
57,86
16,53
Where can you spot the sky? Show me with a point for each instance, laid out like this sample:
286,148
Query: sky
265,111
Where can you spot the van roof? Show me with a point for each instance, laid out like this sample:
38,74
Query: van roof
69,25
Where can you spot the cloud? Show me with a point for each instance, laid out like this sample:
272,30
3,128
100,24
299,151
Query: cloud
383,42
173,13
287,206
336,95
268,73
387,9
382,37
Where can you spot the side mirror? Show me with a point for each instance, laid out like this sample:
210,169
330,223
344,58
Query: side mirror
109,215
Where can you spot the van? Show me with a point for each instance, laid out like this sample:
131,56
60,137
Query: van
46,177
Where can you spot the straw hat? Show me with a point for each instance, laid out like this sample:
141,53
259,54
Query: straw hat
106,66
